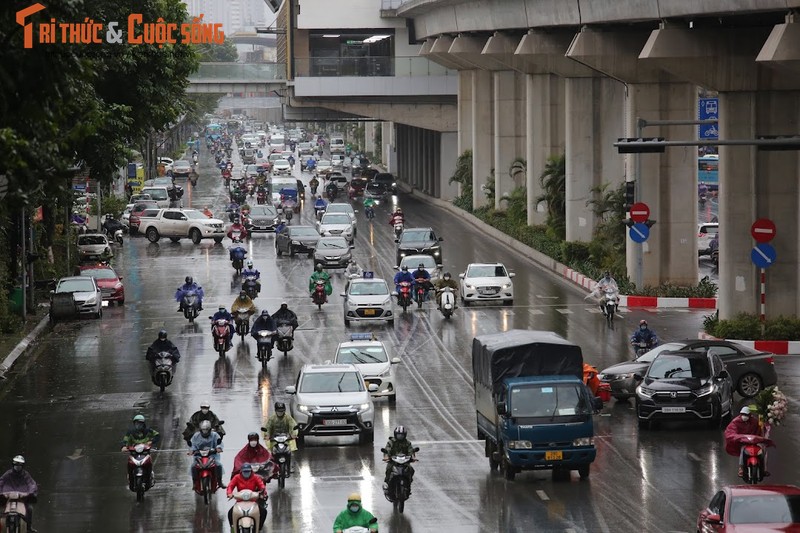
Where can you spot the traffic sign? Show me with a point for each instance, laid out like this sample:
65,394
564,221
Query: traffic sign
639,232
640,212
763,255
763,230
708,110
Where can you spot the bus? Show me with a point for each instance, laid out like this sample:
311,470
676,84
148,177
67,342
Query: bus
708,171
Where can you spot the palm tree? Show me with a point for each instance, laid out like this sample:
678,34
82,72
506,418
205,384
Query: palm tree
518,171
554,187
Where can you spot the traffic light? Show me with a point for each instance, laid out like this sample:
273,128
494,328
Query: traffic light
630,194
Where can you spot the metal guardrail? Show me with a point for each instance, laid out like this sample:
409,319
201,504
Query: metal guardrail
410,66
390,4
249,72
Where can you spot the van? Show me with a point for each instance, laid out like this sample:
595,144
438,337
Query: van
337,145
158,194
277,143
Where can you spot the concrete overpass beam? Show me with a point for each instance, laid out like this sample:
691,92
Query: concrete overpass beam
594,111
464,110
758,184
482,134
545,123
509,127
541,52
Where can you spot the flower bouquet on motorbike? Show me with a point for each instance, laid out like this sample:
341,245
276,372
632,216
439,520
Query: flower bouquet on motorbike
771,405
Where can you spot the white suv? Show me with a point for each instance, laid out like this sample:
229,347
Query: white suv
371,358
332,400
705,234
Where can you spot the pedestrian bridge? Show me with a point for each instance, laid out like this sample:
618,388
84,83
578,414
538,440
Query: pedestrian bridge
248,79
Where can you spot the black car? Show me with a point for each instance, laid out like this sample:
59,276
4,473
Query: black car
685,385
296,240
414,241
262,219
751,370
387,180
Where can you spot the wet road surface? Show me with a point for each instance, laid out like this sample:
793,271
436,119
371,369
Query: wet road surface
69,402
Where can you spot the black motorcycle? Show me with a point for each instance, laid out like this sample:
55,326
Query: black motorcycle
282,454
163,370
264,346
250,286
285,336
399,489
191,305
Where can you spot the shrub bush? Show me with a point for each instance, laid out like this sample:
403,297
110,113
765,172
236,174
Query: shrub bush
574,252
782,328
743,326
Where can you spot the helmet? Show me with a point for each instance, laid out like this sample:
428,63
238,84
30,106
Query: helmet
252,436
242,295
319,197
205,428
18,460
398,210
607,274
400,433
264,313
247,470
280,407
250,264
162,335
354,497
405,268
284,306
421,266
643,323
205,404
447,275
138,418
318,268
188,279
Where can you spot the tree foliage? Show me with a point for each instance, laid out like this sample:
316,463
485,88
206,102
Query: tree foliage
554,186
218,53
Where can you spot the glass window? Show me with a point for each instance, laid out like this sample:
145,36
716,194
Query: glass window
412,261
547,401
99,273
332,243
318,382
768,509
75,285
91,240
486,271
668,347
417,235
679,366
374,288
335,219
299,231
157,194
362,355
263,211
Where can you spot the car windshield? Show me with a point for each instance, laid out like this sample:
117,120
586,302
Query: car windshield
180,163
767,509
679,366
299,231
323,163
668,347
413,261
99,273
75,285
338,208
314,382
139,197
158,194
335,219
263,211
144,205
547,401
91,240
416,235
335,243
362,354
281,163
191,213
252,169
369,288
486,271
274,157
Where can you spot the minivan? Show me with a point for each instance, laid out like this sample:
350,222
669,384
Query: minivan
337,145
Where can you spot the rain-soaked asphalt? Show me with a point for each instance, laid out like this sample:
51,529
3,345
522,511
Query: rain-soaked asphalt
68,403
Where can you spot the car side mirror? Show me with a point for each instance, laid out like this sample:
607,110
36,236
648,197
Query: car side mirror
597,403
384,451
120,278
342,294
511,274
638,377
441,239
502,409
372,387
395,360
461,275
713,518
290,389
723,375
183,217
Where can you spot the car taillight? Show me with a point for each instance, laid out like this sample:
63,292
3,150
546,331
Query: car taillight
770,360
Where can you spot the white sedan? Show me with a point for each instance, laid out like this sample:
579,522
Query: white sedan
368,299
486,281
371,358
281,166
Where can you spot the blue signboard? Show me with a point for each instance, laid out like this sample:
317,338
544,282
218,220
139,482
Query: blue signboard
639,232
708,109
763,255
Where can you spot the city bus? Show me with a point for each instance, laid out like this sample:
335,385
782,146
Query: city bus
708,171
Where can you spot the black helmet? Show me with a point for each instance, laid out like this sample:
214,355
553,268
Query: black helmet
162,335
405,268
400,433
421,266
447,275
318,268
264,313
188,279
280,407
252,436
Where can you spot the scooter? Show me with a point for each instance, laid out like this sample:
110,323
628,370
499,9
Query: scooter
369,211
14,513
319,296
242,320
246,515
420,292
191,305
285,337
398,229
220,330
318,212
164,370
140,470
404,295
206,482
447,301
359,529
641,348
282,453
264,346
399,489
250,286
261,196
238,258
608,304
755,457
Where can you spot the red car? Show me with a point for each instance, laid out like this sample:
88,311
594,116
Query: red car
107,279
751,509
136,211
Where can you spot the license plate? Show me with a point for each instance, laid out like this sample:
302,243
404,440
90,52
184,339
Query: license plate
487,291
553,456
673,410
104,303
369,312
334,422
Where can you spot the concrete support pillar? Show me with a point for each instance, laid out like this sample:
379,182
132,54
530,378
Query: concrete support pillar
369,137
667,184
594,111
545,123
387,146
464,110
482,134
508,129
448,154
758,184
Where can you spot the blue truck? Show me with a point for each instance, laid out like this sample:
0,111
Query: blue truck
534,410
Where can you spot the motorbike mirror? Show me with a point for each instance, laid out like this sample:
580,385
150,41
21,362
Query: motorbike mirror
352,246
416,449
385,451
221,422
395,360
342,294
396,267
296,427
120,278
263,429
397,240
189,424
373,521
501,408
355,210
713,518
290,389
441,239
511,274
439,265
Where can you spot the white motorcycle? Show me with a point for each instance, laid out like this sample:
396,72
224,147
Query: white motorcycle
447,301
246,514
609,304
359,529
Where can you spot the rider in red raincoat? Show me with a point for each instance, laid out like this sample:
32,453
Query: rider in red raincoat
253,453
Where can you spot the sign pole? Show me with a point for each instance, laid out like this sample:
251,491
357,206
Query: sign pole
638,198
763,300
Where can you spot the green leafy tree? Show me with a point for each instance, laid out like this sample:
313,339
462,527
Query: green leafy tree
217,53
554,186
607,249
463,176
519,171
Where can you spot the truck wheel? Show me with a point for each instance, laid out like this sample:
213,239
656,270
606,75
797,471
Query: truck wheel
583,471
196,236
509,472
152,234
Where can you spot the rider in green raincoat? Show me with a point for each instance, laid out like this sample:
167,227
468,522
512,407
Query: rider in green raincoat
354,515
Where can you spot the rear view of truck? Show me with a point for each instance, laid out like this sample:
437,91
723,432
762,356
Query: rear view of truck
534,411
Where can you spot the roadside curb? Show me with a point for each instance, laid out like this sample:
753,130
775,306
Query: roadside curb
776,347
551,264
9,361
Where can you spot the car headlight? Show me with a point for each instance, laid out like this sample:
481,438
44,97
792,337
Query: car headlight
92,300
302,408
363,407
351,302
386,372
705,390
296,243
386,302
583,441
469,287
645,391
519,445
507,285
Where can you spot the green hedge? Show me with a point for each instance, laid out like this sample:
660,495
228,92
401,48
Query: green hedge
747,327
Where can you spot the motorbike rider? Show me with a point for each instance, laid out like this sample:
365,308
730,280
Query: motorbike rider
320,204
237,226
207,438
320,274
263,322
207,212
221,313
237,249
281,423
313,183
246,480
253,453
353,270
162,344
284,314
205,413
243,304
644,334
141,434
311,164
189,285
250,271
422,278
607,282
397,445
17,479
397,217
400,277
446,281
331,190
111,225
743,424
354,516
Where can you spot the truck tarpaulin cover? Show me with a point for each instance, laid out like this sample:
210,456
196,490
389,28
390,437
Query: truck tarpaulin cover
518,353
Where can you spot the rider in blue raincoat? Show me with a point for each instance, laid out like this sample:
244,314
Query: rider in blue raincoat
189,285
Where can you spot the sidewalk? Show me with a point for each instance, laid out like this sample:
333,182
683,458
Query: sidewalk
23,345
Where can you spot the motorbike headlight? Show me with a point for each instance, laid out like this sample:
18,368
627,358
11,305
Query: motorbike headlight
519,445
302,408
705,390
583,441
363,407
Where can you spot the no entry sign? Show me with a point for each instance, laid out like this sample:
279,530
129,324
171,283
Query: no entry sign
762,230
640,212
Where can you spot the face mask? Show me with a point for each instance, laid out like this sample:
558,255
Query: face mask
17,468
138,426
354,508
447,278
204,411
642,328
745,418
400,437
253,443
280,414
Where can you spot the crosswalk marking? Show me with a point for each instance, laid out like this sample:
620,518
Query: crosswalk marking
565,311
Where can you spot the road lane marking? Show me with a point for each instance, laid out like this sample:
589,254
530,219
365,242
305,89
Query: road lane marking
694,457
542,495
565,311
536,311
